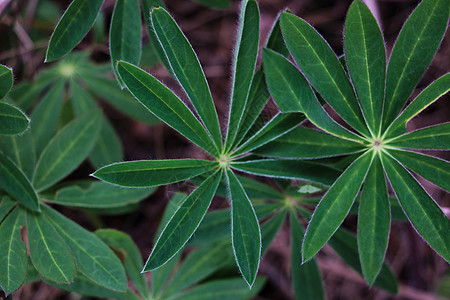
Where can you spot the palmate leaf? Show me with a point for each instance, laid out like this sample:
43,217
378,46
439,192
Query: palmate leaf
73,26
20,150
12,119
270,229
6,80
433,137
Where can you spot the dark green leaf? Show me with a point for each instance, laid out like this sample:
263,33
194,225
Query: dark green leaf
433,137
219,4
20,149
6,80
270,229
12,119
6,205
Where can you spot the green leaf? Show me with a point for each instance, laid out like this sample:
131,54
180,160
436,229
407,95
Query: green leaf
433,137
219,4
412,53
14,182
366,60
289,169
148,173
6,205
183,223
73,26
125,34
433,169
322,69
258,191
278,126
67,150
305,143
306,278
82,101
270,229
243,69
428,96
245,231
12,119
20,149
46,115
187,70
160,276
275,41
373,222
13,252
161,101
94,258
424,214
335,205
49,253
129,253
6,80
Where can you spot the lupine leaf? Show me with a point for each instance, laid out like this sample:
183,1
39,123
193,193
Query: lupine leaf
73,26
161,101
322,68
219,4
14,182
429,95
20,149
305,143
67,150
373,222
246,234
13,252
6,80
424,214
270,229
125,34
186,68
412,53
335,205
243,67
366,60
275,41
94,258
12,119
148,173
183,223
49,253
6,205
433,137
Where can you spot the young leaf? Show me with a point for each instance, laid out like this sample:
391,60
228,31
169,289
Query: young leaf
20,149
366,60
322,68
16,184
6,80
186,68
49,253
67,150
148,173
73,26
433,137
412,53
335,205
94,259
243,67
245,231
373,222
183,223
161,101
12,119
13,252
424,214
125,34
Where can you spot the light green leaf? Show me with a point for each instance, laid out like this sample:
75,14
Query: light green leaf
13,252
183,223
373,222
433,137
335,205
94,258
148,173
125,34
243,69
305,143
67,150
49,253
20,149
416,45
14,182
424,214
6,80
322,69
73,26
12,119
365,56
428,96
306,278
187,70
161,101
245,231
289,169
